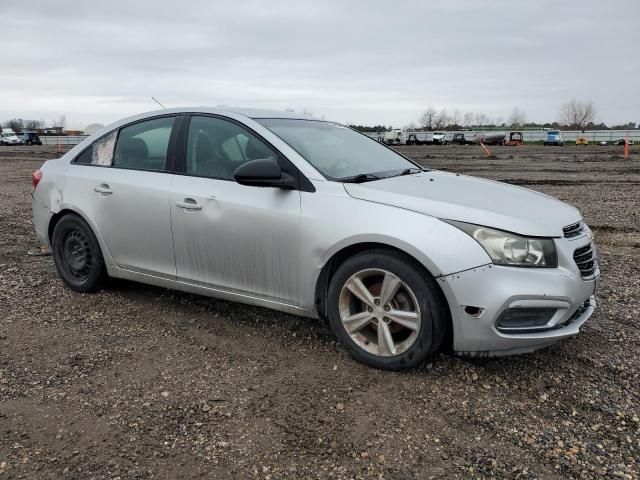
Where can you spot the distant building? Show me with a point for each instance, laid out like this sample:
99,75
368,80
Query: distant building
93,128
49,131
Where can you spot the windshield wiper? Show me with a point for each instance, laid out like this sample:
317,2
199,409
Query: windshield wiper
361,178
409,171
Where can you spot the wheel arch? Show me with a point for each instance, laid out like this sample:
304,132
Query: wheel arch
66,210
339,257
56,217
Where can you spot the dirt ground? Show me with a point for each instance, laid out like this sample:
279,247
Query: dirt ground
141,382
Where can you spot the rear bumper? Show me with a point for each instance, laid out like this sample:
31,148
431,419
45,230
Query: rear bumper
493,289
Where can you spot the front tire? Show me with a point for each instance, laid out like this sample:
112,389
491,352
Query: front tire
385,311
77,255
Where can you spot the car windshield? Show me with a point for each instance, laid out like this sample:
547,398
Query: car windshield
338,152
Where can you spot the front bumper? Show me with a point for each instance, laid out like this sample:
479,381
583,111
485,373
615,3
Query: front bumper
492,289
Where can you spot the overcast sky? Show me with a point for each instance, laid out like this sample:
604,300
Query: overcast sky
364,62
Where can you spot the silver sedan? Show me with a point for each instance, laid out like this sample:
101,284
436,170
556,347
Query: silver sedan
312,218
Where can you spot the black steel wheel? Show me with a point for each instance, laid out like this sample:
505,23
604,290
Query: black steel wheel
77,255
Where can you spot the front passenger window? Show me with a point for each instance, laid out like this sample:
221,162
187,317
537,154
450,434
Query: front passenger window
216,148
143,146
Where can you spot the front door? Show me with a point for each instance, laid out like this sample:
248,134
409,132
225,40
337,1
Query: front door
229,236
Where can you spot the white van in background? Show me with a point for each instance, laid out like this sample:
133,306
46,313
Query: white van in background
9,137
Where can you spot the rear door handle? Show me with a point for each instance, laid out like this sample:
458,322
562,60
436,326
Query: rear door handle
103,188
189,204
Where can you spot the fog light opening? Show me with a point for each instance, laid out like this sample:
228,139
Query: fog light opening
521,320
473,311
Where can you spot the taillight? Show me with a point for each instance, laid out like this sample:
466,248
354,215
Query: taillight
35,179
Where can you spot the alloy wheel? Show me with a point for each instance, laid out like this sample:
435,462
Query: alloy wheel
379,312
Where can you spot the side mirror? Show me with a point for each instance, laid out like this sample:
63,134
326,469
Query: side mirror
264,172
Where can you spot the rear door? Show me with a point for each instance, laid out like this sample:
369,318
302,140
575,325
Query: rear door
129,189
229,236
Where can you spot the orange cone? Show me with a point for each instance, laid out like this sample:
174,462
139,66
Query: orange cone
485,150
626,149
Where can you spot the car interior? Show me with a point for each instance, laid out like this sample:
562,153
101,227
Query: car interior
218,148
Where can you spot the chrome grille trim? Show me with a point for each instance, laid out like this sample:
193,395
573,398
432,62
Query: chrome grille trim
586,260
573,230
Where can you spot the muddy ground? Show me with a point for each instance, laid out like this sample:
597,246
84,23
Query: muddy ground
140,382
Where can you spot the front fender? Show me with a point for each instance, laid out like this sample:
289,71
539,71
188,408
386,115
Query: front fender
332,222
376,237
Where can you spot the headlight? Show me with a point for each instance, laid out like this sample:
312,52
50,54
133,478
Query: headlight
511,249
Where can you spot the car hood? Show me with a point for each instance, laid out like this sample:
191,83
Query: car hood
474,200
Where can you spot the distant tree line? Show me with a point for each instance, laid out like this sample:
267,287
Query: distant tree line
573,115
19,124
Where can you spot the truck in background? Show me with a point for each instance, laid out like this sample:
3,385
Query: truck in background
397,136
29,138
461,139
554,137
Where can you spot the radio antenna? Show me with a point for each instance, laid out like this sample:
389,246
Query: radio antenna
158,103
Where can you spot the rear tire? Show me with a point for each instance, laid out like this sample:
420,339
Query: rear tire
77,255
403,320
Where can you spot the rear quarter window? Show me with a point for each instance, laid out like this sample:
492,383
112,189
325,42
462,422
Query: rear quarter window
99,153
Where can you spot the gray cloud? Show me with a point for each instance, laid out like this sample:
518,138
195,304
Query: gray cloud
357,61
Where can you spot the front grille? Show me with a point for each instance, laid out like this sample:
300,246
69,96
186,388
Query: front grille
573,230
586,260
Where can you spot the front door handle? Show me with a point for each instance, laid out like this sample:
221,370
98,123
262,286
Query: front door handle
103,188
189,204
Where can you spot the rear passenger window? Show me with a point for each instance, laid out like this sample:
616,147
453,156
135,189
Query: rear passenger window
143,146
100,152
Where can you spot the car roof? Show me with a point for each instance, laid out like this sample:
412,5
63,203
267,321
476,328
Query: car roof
253,113
264,113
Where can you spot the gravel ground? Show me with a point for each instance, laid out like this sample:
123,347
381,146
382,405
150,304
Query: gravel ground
141,382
